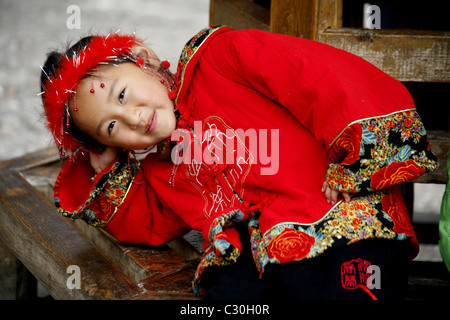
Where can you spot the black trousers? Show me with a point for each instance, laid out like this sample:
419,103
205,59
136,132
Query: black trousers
327,277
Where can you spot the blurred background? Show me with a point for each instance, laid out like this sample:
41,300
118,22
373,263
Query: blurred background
30,29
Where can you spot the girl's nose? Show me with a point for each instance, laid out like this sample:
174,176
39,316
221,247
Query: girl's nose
133,117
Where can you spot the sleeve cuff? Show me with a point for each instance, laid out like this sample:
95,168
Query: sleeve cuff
381,152
78,197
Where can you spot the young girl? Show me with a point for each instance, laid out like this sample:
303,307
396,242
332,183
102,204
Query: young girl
285,153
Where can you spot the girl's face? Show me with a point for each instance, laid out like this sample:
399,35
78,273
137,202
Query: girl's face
132,110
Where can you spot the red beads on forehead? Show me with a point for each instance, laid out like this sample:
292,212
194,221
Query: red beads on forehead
102,85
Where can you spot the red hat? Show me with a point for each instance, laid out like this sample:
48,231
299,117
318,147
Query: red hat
62,84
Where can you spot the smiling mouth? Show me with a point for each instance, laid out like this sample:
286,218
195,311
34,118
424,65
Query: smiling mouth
151,124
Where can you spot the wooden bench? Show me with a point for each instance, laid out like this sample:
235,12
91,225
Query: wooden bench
47,244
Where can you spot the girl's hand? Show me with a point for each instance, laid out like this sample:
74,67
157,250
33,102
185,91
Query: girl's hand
332,195
101,161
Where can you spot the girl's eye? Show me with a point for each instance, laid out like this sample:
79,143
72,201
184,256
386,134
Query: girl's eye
111,127
121,95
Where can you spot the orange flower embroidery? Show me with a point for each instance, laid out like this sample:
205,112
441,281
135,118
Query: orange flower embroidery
290,245
395,173
402,223
346,148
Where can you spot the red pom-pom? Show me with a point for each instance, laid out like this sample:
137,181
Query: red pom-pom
140,62
92,90
172,95
165,64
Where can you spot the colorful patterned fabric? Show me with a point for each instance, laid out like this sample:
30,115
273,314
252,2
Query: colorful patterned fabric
106,194
222,250
375,156
380,152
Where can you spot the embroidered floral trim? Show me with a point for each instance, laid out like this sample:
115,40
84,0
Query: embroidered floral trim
106,196
220,251
190,49
373,155
369,157
378,153
376,215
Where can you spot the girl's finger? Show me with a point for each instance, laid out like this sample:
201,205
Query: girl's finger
346,196
324,186
334,196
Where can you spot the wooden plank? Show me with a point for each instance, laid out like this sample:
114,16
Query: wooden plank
330,15
239,14
32,160
305,19
295,18
176,262
16,282
406,55
47,246
138,261
439,142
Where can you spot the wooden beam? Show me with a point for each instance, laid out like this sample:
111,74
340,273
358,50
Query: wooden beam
16,282
295,18
439,142
129,271
239,14
406,55
305,19
47,245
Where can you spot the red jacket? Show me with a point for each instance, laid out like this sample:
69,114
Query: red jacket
289,113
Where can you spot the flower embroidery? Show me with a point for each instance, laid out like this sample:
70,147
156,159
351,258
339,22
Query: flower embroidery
374,154
369,156
290,245
392,149
372,216
346,148
396,173
402,224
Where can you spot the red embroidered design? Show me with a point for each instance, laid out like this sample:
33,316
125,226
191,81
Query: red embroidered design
222,165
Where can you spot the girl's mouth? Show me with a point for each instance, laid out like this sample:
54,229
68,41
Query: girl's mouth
151,124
